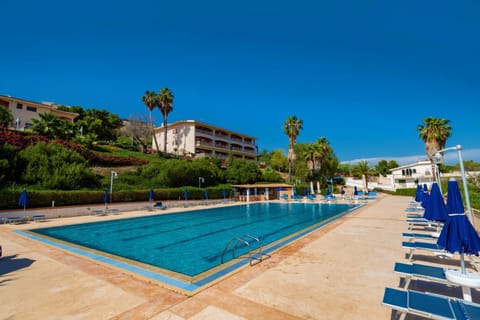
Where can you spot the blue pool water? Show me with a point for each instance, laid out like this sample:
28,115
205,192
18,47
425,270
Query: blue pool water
192,242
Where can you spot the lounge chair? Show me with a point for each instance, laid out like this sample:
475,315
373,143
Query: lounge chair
159,205
428,246
422,222
421,271
429,305
423,236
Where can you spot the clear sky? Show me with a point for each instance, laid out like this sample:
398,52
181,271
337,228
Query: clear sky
363,74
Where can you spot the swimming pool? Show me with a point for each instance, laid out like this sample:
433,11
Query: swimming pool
192,243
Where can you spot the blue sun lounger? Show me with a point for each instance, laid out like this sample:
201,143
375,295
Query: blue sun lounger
420,271
428,246
423,236
429,305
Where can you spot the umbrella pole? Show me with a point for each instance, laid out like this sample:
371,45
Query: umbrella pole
462,263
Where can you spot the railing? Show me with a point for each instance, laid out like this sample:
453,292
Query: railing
243,240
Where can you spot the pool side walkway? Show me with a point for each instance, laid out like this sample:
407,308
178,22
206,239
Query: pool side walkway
337,272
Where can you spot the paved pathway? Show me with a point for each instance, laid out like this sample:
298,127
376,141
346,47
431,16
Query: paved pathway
337,272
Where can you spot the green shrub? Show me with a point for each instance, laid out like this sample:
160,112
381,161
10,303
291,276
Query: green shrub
54,167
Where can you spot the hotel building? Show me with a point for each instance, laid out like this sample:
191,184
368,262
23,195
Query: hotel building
24,111
196,139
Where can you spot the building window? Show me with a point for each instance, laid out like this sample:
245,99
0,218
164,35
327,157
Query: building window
19,106
27,125
30,108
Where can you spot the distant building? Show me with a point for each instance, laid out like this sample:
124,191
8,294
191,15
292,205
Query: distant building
24,111
408,176
196,139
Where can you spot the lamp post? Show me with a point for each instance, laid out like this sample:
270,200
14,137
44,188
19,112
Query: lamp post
113,175
200,181
438,159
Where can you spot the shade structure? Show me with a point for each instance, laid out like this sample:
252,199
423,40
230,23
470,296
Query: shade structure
436,209
458,234
185,194
355,191
425,187
23,200
151,195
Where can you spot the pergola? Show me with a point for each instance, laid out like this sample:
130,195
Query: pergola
262,192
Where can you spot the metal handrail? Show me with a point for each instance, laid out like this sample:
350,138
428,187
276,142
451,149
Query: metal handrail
241,240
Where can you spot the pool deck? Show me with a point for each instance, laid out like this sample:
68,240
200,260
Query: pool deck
337,272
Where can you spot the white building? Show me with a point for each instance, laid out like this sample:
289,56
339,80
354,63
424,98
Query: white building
197,139
24,111
408,176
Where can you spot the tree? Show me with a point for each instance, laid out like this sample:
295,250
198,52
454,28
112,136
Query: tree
101,123
292,127
363,170
165,104
241,171
383,167
150,100
434,132
51,126
278,160
5,118
139,130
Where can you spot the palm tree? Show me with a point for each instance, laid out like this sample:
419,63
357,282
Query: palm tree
323,150
165,104
434,132
48,125
150,101
362,169
309,154
292,127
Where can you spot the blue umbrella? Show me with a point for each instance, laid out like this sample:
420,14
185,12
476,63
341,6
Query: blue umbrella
436,209
294,190
458,234
328,191
419,193
304,191
355,191
224,193
185,194
425,187
454,198
151,195
23,201
105,198
206,193
425,196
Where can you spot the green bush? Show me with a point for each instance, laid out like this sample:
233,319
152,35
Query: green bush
54,167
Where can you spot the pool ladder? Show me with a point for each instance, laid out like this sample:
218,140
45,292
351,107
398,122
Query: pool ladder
251,253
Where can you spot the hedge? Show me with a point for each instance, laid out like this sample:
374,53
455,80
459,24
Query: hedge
38,199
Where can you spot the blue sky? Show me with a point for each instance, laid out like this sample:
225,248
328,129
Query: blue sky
363,74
